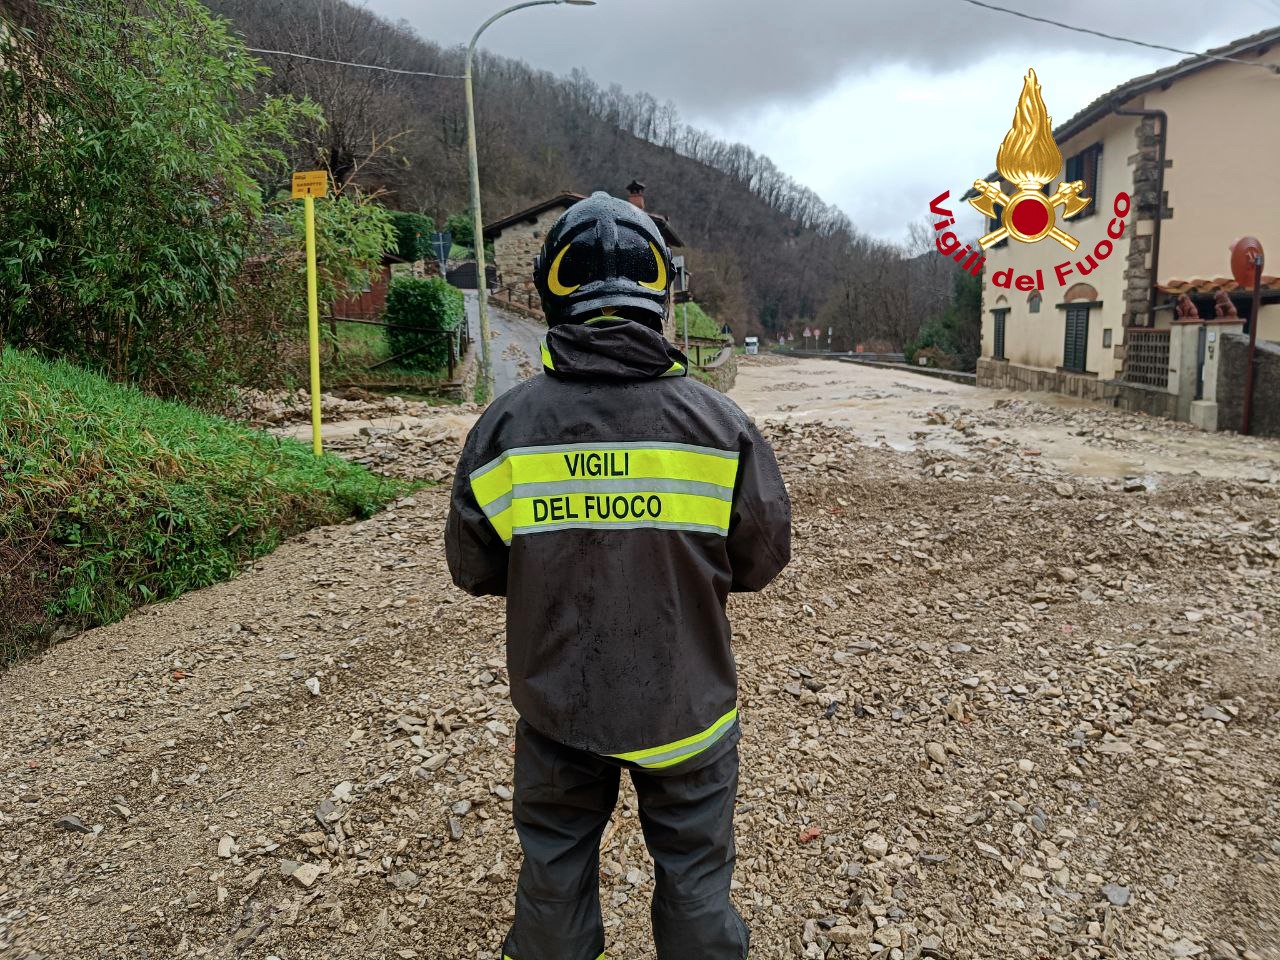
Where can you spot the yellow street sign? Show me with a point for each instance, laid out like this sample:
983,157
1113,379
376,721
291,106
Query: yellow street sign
310,183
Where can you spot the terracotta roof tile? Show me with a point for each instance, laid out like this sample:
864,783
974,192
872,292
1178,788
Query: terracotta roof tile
1213,284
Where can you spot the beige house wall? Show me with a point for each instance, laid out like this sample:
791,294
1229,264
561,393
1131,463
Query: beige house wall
1218,188
1224,141
1036,339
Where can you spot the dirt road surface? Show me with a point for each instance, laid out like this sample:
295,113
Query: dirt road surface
889,407
514,344
998,706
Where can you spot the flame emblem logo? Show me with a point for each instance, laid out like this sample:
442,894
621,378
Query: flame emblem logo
1029,158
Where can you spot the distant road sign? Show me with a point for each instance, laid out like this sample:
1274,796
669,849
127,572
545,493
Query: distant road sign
441,244
310,183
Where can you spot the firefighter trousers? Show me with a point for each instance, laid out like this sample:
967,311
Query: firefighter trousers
564,798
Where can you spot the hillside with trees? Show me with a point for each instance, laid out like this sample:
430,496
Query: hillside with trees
767,253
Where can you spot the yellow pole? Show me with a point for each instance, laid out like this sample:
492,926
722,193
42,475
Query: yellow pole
313,322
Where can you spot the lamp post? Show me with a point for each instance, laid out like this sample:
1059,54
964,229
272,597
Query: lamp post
473,163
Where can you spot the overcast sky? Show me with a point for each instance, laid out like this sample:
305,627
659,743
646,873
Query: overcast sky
878,106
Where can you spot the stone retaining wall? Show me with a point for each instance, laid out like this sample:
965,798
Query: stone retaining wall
1002,375
1265,418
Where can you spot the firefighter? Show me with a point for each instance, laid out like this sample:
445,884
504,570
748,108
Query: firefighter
615,502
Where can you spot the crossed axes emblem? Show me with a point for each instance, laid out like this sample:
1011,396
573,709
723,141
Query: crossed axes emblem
1067,196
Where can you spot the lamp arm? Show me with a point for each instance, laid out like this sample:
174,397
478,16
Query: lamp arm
488,23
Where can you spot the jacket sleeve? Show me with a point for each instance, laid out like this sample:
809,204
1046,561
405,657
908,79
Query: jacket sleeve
476,554
760,525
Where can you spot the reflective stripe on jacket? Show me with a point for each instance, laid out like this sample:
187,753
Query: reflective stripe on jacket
616,505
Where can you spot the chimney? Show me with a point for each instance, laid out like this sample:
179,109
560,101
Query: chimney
635,193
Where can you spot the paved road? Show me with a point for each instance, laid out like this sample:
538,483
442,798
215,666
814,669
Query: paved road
514,344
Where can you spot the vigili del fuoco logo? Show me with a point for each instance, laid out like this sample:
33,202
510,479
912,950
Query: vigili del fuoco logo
1029,159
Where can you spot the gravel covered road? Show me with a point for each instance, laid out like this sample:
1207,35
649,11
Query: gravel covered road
994,708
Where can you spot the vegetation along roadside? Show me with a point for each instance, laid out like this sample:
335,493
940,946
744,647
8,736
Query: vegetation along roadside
111,498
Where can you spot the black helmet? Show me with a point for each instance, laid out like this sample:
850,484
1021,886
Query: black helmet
604,254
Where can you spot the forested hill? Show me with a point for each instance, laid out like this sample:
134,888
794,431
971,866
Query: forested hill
766,251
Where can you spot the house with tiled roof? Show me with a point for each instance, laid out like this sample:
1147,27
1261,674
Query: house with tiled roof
518,237
1193,152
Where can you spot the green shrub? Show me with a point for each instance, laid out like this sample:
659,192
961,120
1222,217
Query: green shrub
413,236
434,310
462,228
145,232
953,339
131,153
110,498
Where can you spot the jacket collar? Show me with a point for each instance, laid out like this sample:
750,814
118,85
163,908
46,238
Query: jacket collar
610,348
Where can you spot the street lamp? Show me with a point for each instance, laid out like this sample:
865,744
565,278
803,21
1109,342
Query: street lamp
473,162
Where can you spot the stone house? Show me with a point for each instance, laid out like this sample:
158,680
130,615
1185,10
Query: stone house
1193,150
518,238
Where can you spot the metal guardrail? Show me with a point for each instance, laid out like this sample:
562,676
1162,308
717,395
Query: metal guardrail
459,339
845,355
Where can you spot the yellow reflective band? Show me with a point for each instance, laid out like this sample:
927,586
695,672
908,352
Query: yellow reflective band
493,484
586,461
502,524
670,754
675,370
546,356
645,508
615,486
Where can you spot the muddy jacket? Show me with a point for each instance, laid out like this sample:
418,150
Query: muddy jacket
616,502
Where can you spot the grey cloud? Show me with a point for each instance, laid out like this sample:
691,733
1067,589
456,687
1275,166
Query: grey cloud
717,58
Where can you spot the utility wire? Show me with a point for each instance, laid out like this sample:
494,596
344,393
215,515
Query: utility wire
1273,67
363,66
300,56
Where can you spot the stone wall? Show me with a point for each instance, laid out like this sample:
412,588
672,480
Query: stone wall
514,251
1265,419
1002,375
1148,203
722,377
1137,398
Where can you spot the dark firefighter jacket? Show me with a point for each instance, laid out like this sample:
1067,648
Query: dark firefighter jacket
616,502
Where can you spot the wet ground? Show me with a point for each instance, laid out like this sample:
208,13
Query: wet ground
513,344
893,408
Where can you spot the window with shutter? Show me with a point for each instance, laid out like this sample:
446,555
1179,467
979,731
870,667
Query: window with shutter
1075,343
1084,166
997,348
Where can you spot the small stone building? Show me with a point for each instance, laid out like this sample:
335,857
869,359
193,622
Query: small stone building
518,238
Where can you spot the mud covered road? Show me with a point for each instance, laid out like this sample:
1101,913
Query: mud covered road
997,707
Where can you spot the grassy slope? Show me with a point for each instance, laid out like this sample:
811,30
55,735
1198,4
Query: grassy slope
700,323
110,498
360,346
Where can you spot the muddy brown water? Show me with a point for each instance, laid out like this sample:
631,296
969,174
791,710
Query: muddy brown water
890,407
